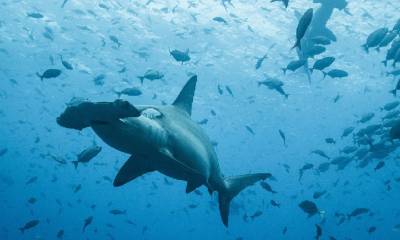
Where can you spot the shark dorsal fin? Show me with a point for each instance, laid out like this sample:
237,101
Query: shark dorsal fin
185,98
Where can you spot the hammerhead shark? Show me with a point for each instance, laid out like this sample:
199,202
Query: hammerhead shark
163,139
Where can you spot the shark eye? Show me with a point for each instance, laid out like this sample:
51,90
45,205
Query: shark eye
151,113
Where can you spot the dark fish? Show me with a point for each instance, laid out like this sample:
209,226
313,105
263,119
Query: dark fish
256,214
60,234
284,231
31,180
366,117
394,91
330,141
337,98
319,232
347,131
302,27
77,188
86,155
99,79
275,204
180,56
322,63
305,167
318,194
115,40
387,40
29,225
323,167
132,92
371,229
285,2
229,90
336,73
260,61
380,165
375,38
274,84
309,207
32,200
357,212
267,187
294,65
66,64
391,105
3,151
250,130
35,15
314,51
63,4
49,73
282,134
117,212
320,153
220,20
391,53
151,75
87,222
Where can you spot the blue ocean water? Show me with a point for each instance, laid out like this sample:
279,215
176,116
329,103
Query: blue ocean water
143,52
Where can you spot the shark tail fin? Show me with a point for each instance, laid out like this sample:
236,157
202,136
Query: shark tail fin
75,164
233,186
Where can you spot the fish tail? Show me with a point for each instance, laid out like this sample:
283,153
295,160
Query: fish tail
297,44
377,49
40,76
324,74
141,79
394,92
384,62
75,164
311,70
365,46
232,187
284,70
286,95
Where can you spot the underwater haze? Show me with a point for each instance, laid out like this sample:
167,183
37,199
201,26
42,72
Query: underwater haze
210,119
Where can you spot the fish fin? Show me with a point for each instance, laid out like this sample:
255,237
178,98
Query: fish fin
297,44
141,78
192,185
40,76
232,187
181,167
75,164
185,98
134,167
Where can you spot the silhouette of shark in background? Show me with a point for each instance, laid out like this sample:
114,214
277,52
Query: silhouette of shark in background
318,27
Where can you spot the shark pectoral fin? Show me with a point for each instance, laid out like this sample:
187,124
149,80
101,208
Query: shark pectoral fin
185,98
133,168
192,185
